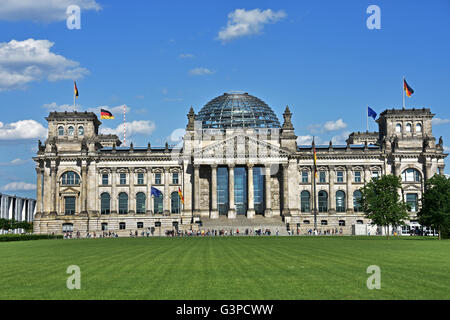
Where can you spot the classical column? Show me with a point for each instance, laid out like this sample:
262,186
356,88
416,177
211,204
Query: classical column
268,212
231,209
428,171
114,199
166,191
214,211
53,172
196,188
286,189
47,196
349,194
39,190
132,196
84,184
251,194
149,197
367,176
332,191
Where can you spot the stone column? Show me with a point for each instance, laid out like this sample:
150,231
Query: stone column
232,209
428,171
367,177
149,191
332,191
39,190
441,170
268,212
114,200
47,196
84,184
197,188
53,172
286,189
132,196
251,192
166,191
214,211
349,194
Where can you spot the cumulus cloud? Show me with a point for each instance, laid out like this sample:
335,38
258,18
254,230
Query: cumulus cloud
22,62
200,71
438,121
42,10
243,23
135,127
328,126
22,129
340,138
15,162
307,140
19,186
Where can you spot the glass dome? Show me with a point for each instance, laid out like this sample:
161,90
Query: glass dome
237,110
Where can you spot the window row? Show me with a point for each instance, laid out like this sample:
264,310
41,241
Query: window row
70,130
325,222
305,201
124,178
408,127
141,203
322,176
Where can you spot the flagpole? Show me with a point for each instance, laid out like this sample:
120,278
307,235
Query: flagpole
367,119
74,108
124,127
314,191
403,84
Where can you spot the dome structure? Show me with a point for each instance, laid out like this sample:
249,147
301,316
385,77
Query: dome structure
237,110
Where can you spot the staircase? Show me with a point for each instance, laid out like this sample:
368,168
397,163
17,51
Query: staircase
242,223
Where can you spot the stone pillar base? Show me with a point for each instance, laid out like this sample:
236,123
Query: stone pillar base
268,213
166,212
231,214
250,213
214,214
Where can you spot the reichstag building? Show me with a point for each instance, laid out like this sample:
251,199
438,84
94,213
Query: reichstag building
235,165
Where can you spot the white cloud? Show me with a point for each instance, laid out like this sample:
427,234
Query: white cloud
145,127
186,55
340,138
22,129
328,126
61,108
307,140
438,121
15,162
19,186
243,23
42,10
201,71
446,149
22,62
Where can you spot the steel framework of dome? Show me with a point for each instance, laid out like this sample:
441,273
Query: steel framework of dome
237,110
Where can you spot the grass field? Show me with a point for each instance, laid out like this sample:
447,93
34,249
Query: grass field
226,268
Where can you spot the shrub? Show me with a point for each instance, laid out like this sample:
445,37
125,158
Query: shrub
20,237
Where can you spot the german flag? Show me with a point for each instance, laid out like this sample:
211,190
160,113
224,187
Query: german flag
105,114
75,89
181,195
407,88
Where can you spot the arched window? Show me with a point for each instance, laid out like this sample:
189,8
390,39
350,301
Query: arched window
340,201
418,127
398,128
175,202
324,222
323,201
80,130
342,223
123,203
411,175
305,221
359,222
140,202
357,195
304,201
158,204
105,203
140,225
60,131
70,131
408,127
70,178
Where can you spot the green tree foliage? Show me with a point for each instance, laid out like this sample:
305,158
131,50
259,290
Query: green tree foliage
12,224
382,203
435,212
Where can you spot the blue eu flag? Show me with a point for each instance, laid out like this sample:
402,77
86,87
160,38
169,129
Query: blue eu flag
156,192
371,113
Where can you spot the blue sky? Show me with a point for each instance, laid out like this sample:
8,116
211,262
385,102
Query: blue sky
161,57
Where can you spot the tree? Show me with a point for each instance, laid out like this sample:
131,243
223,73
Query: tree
435,212
382,203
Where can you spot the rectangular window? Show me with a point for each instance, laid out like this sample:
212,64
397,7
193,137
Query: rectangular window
157,178
411,200
105,179
375,174
340,176
140,179
122,225
322,177
123,178
69,205
175,178
305,177
357,176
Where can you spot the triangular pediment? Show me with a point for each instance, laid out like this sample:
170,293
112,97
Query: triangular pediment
241,146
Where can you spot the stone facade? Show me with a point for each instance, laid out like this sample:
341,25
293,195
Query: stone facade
86,182
17,208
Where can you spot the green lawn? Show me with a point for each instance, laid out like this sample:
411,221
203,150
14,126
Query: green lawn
226,268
